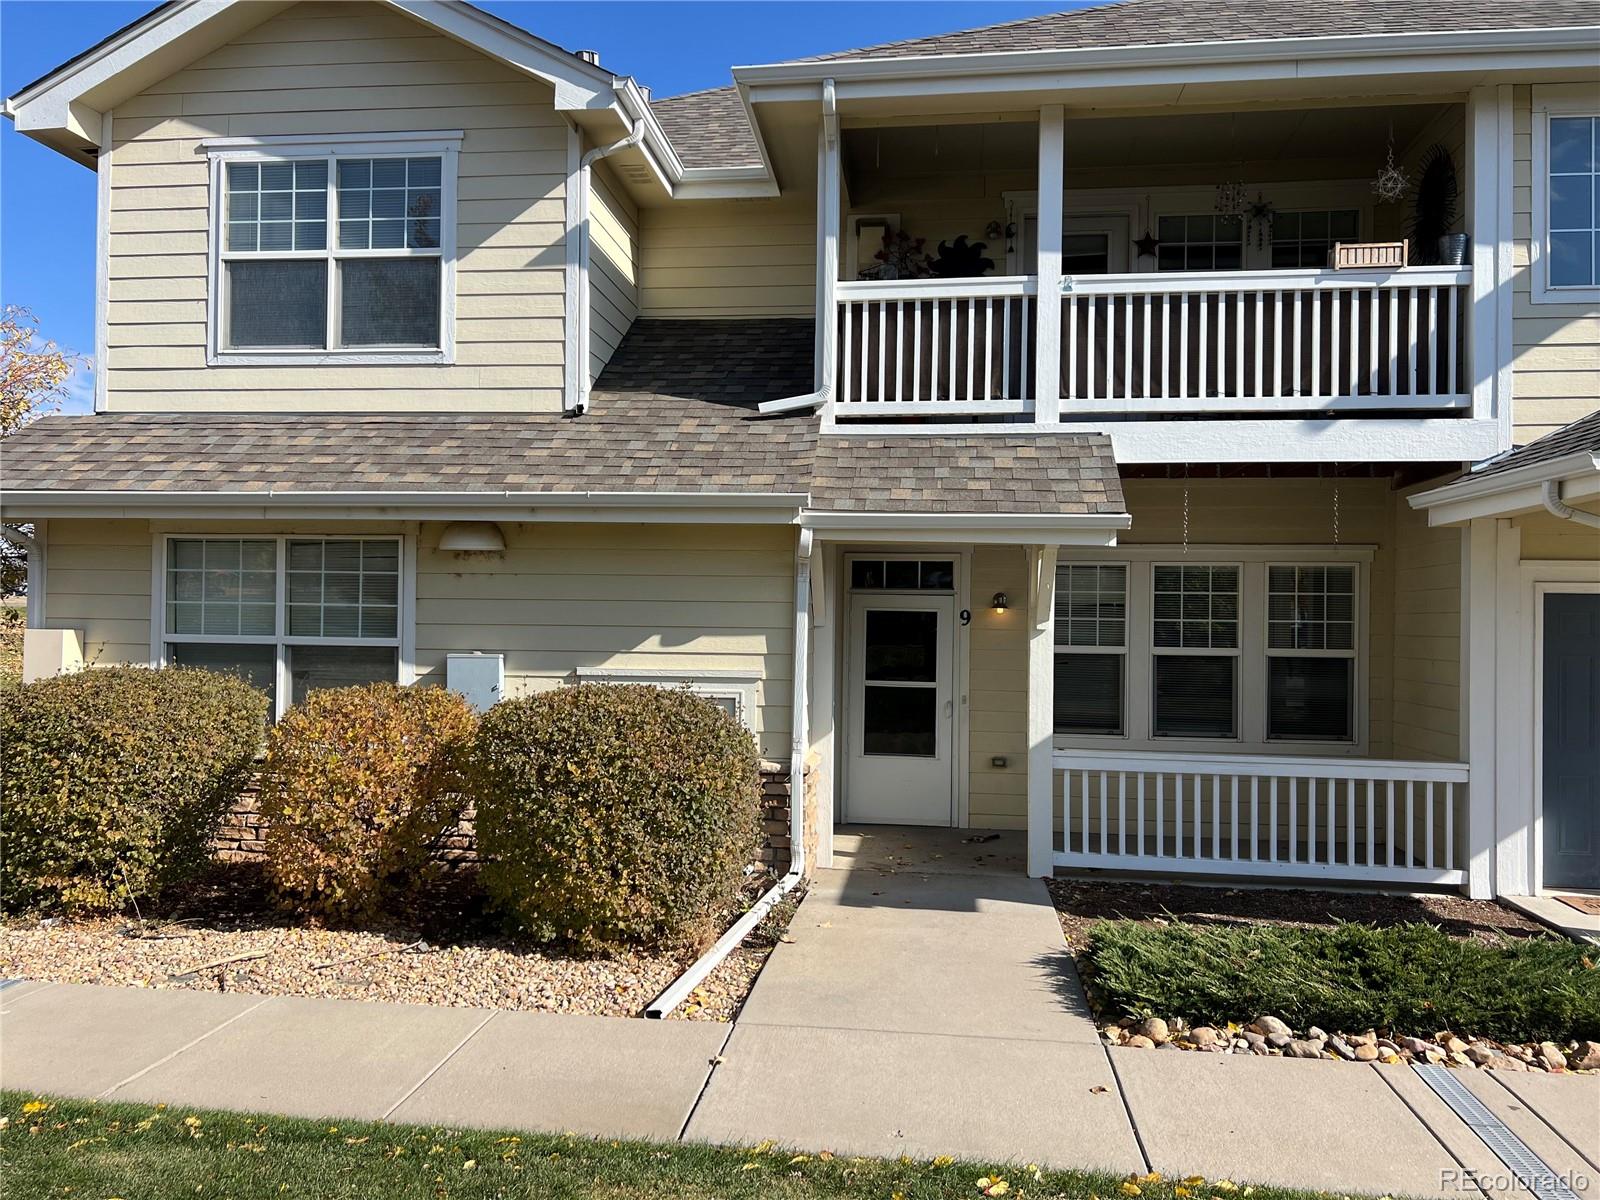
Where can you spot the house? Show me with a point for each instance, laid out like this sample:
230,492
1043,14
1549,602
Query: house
1178,523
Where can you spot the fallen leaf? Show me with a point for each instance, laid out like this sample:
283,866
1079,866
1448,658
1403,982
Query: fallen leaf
1098,1089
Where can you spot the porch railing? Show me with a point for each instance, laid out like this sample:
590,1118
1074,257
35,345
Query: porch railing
958,347
1293,340
1269,816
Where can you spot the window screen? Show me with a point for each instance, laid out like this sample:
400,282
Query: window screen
1194,695
282,304
1311,639
255,664
1195,607
1574,207
389,203
312,667
1091,648
389,301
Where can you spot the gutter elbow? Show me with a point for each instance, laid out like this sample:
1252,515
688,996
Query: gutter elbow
1557,507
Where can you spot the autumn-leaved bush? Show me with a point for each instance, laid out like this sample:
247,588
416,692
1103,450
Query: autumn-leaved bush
614,815
113,781
359,785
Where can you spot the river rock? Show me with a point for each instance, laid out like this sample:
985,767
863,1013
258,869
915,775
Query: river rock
1155,1029
1552,1056
1366,1052
1453,1045
1303,1048
1203,1036
1139,1042
1342,1048
1481,1054
1267,1026
1585,1057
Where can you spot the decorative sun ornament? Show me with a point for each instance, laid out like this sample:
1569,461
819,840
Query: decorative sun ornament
1232,199
1392,183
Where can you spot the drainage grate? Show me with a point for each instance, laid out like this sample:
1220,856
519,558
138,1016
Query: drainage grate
1541,1179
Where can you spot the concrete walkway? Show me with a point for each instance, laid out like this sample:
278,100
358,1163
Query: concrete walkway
927,1005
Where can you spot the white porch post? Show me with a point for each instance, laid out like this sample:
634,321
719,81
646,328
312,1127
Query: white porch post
1052,182
1480,625
828,217
1041,679
1489,214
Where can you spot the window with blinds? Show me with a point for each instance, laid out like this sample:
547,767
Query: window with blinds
1195,645
1091,650
335,252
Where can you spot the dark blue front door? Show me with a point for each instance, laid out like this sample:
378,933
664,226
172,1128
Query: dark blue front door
1571,740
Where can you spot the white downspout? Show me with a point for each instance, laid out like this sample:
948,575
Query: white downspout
1557,507
707,962
635,136
827,263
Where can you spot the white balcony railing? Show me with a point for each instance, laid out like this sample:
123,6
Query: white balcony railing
1267,341
1285,817
955,347
1196,343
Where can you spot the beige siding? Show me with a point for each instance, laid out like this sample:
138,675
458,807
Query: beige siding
97,581
1550,539
746,258
613,266
564,598
1427,626
1556,371
349,69
997,691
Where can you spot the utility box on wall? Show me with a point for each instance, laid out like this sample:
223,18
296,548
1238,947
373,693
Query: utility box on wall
47,652
481,678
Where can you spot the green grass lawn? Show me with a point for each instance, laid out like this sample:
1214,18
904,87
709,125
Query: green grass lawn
88,1150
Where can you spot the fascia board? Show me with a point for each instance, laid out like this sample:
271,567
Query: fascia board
1508,493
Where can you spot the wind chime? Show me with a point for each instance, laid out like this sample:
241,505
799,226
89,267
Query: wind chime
1392,183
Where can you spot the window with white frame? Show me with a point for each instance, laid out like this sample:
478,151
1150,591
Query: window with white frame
1573,202
347,251
1311,652
290,614
1195,643
1091,650
1306,239
1201,242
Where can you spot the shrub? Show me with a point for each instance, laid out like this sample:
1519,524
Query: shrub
360,784
615,815
1412,978
114,780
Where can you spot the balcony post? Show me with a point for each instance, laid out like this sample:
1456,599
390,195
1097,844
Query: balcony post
1052,185
828,217
1041,710
1489,213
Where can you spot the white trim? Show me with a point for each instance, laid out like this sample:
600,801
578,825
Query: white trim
102,264
1490,165
576,268
1041,610
38,552
1512,492
1553,100
407,616
1047,340
1003,529
445,145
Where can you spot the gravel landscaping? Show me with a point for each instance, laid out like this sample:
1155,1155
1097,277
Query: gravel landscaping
222,935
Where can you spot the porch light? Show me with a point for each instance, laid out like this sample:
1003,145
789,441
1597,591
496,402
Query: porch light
1000,603
472,537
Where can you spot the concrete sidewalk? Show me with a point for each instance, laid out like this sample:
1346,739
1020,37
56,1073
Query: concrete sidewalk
927,1005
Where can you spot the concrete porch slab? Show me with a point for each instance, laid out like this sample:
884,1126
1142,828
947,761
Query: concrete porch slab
604,1076
933,851
877,1093
1290,1122
310,1057
955,954
80,1039
1563,918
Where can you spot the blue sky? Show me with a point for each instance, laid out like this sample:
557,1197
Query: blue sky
47,203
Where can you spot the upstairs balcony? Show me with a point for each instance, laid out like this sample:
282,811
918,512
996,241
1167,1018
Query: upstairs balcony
1238,271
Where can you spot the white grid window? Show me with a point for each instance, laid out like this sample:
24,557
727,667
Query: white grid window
1311,652
1091,650
288,614
1306,239
1574,201
1195,643
341,251
1202,242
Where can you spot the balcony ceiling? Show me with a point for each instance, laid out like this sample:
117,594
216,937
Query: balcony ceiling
1258,135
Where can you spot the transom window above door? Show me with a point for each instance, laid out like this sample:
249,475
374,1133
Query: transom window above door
346,251
902,575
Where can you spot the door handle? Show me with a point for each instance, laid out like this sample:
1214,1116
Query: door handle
948,709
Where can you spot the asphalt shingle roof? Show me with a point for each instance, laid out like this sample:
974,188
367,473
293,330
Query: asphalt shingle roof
1579,437
674,412
710,129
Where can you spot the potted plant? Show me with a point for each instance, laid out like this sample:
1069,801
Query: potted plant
900,258
1435,209
960,260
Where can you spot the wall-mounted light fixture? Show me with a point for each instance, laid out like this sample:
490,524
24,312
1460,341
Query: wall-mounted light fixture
1000,603
472,537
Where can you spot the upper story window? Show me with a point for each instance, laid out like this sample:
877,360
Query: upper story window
1306,239
1565,251
1203,242
345,254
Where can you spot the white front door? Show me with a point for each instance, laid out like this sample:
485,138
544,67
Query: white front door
901,710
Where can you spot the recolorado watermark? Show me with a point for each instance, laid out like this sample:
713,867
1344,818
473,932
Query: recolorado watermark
1465,1179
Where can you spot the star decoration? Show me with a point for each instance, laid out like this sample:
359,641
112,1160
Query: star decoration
1147,245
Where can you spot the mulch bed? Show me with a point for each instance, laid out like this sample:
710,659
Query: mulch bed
1079,904
443,948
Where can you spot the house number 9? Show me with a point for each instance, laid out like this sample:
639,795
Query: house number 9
966,616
